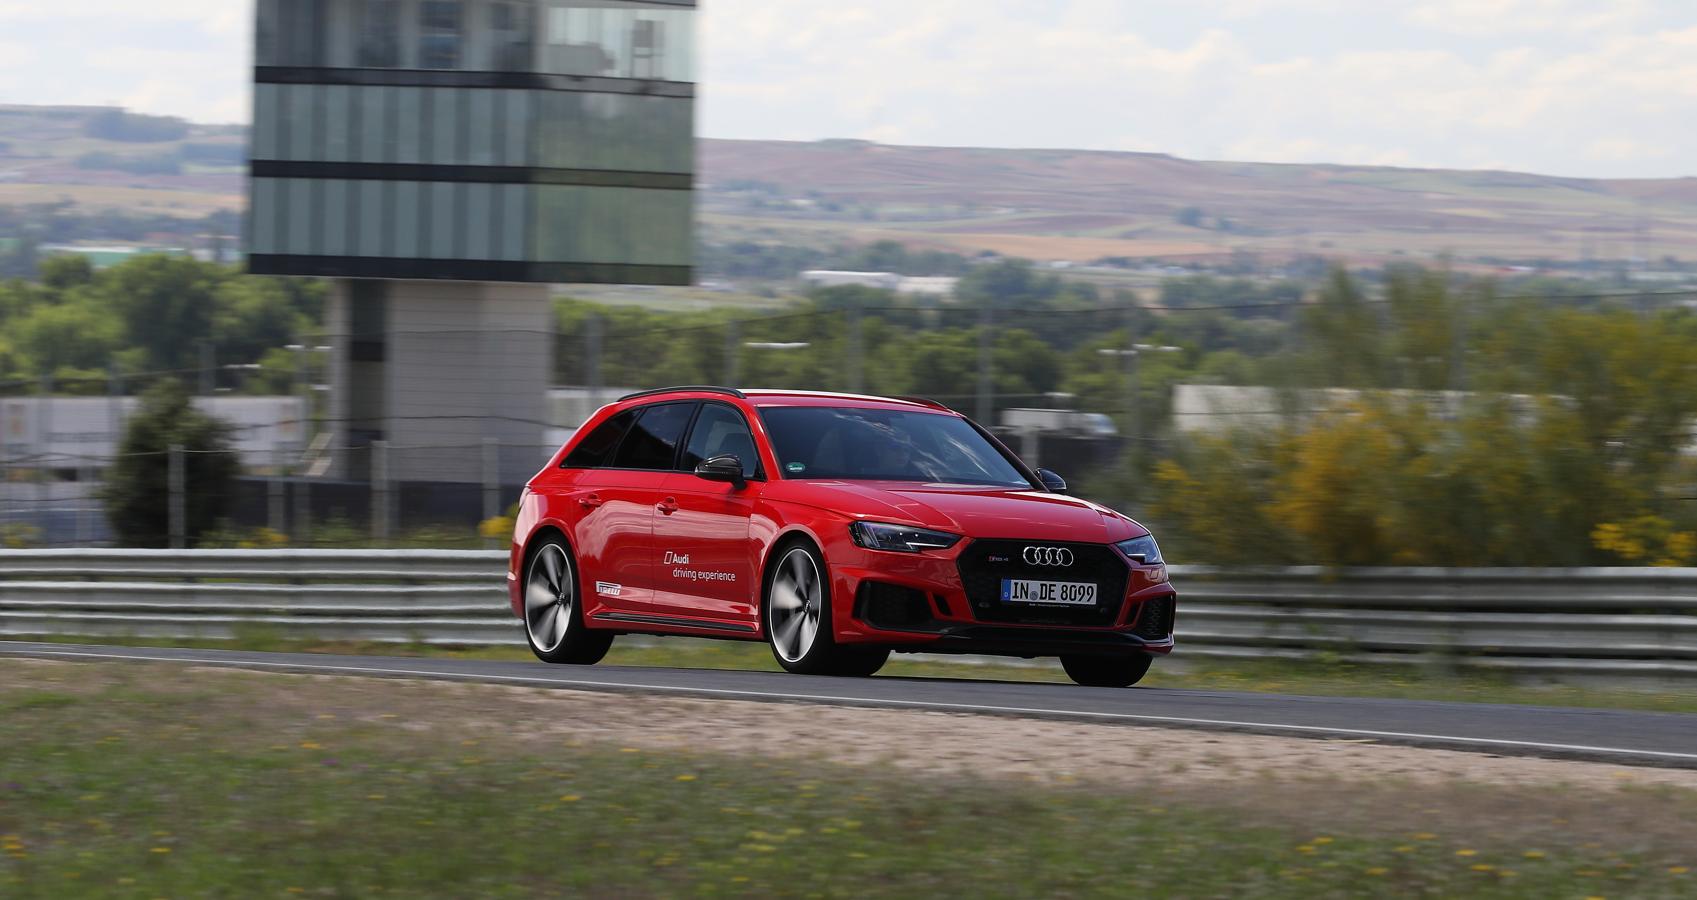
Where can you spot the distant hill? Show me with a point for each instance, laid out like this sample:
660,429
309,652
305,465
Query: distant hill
1080,205
1044,204
105,158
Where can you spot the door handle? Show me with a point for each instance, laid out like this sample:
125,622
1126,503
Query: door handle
589,501
667,506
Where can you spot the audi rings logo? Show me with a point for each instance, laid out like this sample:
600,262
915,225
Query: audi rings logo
1048,556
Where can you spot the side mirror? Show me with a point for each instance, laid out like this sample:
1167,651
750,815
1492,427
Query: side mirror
1052,483
721,468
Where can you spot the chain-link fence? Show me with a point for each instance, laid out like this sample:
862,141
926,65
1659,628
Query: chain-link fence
1084,388
89,501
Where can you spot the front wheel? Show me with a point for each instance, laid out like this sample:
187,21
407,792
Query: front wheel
798,620
1107,671
553,619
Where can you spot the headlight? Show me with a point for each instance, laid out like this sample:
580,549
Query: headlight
900,538
1143,550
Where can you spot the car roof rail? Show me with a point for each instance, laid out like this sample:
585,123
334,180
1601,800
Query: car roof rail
697,388
924,401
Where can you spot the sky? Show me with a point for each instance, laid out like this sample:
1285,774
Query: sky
1602,88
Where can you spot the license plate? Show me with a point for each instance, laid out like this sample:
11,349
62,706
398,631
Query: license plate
1062,593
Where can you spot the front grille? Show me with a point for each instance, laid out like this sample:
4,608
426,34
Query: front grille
984,564
1155,621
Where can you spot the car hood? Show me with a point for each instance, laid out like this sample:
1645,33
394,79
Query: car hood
978,512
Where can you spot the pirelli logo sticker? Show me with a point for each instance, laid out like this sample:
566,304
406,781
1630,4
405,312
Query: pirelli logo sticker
608,589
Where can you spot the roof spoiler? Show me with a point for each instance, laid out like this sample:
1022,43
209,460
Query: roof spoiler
924,401
697,388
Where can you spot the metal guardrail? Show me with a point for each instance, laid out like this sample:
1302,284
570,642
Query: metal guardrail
1611,622
390,596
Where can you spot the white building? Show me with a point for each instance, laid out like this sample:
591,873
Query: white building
1214,409
937,286
911,285
71,433
831,278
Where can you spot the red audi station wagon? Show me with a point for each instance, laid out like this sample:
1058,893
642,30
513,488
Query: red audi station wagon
836,527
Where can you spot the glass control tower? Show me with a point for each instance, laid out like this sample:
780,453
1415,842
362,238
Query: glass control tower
446,160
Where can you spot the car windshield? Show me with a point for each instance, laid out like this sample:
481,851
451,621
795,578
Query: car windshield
885,445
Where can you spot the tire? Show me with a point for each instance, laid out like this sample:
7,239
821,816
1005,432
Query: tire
553,617
1107,671
796,609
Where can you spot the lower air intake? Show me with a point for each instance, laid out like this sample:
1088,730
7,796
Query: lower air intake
1155,620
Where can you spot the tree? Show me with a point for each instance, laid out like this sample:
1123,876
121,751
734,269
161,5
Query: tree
66,270
1348,335
75,333
253,315
167,304
137,492
1008,284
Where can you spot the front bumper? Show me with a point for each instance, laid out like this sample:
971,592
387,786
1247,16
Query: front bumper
1025,642
940,603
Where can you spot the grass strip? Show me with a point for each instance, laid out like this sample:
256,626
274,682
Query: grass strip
121,790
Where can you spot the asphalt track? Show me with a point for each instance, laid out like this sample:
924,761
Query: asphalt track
1603,735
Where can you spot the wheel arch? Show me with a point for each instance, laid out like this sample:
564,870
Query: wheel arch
526,550
780,545
546,530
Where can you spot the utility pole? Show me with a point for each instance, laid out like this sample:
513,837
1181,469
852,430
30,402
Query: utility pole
1458,349
303,393
1134,398
856,349
733,353
592,358
275,517
380,491
491,483
1133,413
1134,404
43,427
293,472
177,504
208,374
114,405
986,375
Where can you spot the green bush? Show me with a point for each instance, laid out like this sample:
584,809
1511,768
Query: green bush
137,492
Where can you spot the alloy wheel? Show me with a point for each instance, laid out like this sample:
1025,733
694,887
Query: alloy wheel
798,599
548,598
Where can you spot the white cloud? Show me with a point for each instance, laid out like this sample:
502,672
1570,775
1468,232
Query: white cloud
954,73
1605,87
1625,150
1519,17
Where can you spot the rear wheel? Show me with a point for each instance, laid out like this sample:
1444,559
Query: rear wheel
798,619
1107,671
553,619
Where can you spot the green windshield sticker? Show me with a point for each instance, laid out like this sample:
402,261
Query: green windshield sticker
796,468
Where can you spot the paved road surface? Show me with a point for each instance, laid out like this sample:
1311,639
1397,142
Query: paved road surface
1616,736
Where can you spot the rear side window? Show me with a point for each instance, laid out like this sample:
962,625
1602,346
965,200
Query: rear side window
653,442
593,451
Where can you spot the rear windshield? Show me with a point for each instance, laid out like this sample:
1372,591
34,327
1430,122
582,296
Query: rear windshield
885,445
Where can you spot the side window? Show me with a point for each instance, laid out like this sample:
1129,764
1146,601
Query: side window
653,442
593,450
721,431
